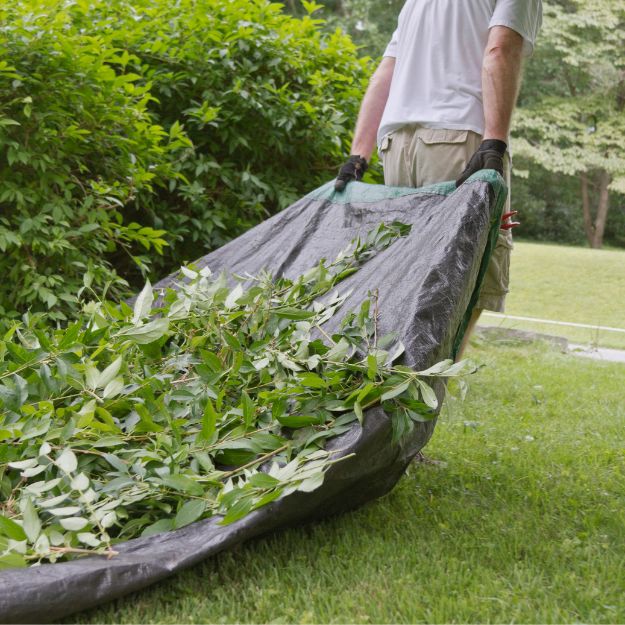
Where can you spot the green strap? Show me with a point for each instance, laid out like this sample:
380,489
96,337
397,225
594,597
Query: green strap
501,193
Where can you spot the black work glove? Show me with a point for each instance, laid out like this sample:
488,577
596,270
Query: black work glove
354,169
488,156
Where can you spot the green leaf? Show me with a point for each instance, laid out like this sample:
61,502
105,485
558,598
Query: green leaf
113,388
32,524
73,523
263,480
300,421
297,314
248,409
11,529
146,424
12,561
54,501
336,405
80,482
189,512
395,391
109,441
233,296
66,511
116,462
24,464
67,461
147,333
143,304
339,351
429,397
364,393
92,375
439,367
272,495
162,525
232,341
359,413
238,510
183,484
209,421
205,462
421,416
311,483
211,359
109,373
372,366
89,539
312,380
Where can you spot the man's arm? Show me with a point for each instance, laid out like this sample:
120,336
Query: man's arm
501,77
369,118
372,108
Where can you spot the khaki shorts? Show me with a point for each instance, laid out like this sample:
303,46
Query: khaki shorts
414,156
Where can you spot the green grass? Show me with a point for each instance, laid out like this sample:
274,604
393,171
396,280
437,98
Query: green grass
573,284
520,519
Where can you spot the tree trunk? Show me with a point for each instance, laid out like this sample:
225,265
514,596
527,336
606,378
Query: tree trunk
602,208
586,209
594,225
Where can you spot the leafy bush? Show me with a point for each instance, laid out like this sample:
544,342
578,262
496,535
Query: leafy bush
126,126
265,98
77,144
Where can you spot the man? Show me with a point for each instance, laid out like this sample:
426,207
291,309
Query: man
440,105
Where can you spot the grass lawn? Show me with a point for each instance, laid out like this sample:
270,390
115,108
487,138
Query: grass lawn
519,518
567,284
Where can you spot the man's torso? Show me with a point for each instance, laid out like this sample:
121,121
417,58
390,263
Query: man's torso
439,47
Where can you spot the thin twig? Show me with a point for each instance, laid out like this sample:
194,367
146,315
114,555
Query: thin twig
376,314
256,461
325,334
109,553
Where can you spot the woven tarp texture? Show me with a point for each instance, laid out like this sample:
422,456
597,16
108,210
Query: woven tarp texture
427,285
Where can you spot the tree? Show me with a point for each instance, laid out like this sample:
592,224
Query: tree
370,23
572,115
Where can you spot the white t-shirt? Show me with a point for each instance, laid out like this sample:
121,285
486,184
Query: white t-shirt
439,47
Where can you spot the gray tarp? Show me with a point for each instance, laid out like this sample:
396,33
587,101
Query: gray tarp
427,285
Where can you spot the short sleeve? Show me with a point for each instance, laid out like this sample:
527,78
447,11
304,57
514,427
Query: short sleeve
523,16
391,48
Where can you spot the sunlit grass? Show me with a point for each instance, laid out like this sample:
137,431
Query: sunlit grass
572,284
519,518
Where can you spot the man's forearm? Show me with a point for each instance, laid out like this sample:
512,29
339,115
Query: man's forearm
372,108
501,77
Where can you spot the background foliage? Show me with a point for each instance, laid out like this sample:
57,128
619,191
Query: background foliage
135,136
571,120
569,127
134,129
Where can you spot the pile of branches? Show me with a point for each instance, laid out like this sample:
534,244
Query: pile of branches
208,399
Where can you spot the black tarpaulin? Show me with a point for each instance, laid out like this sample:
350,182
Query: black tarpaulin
427,284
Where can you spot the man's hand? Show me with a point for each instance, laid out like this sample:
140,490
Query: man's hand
354,169
488,156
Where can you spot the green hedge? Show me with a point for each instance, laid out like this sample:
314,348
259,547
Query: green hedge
138,135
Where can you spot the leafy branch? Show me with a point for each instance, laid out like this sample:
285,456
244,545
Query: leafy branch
212,399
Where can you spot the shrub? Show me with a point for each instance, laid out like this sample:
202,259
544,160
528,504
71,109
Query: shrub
265,98
77,144
127,126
